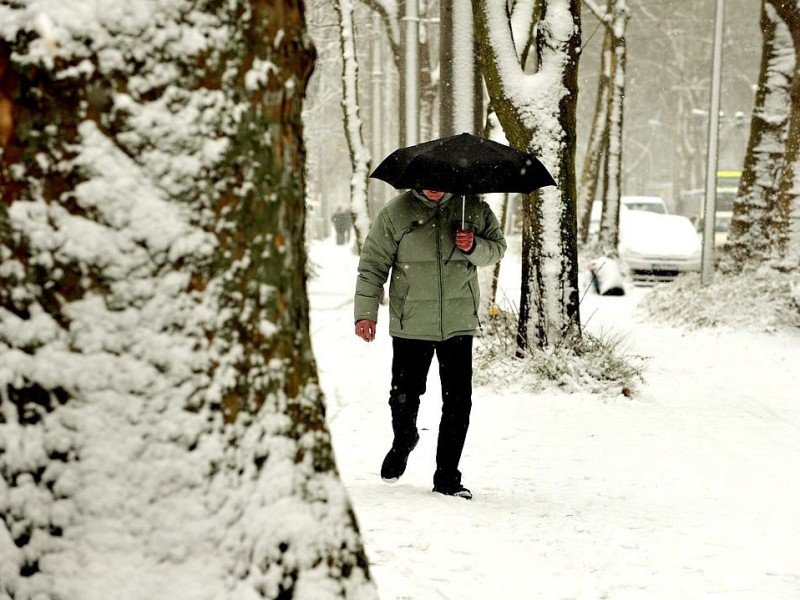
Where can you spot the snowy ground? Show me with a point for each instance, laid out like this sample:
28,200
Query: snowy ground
690,490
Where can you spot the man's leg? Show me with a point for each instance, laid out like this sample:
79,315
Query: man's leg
411,361
455,371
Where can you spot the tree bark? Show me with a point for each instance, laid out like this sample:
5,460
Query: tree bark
159,398
785,241
749,238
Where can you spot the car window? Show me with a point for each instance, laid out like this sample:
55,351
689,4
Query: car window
646,206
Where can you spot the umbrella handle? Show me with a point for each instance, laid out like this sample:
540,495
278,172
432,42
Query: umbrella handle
463,209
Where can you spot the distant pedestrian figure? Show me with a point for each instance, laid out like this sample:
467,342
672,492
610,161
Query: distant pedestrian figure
342,221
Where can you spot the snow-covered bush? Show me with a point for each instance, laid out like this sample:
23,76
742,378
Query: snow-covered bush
597,364
763,298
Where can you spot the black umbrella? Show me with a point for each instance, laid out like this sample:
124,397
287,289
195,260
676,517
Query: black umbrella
464,164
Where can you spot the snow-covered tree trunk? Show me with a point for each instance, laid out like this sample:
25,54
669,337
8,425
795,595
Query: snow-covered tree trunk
537,113
753,209
597,144
360,158
786,226
616,19
162,429
604,157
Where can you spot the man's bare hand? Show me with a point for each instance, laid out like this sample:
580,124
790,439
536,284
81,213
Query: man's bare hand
464,240
365,329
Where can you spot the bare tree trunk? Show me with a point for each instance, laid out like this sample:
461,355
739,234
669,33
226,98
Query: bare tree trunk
360,158
753,209
597,144
159,400
785,243
617,13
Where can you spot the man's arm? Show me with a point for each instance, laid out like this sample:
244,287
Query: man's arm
377,258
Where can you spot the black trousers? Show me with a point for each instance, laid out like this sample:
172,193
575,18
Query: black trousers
411,362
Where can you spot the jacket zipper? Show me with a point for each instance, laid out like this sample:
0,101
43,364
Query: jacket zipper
403,310
439,264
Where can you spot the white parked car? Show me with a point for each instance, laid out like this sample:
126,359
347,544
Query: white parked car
653,204
657,247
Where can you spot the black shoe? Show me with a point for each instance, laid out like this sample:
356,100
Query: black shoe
459,491
394,465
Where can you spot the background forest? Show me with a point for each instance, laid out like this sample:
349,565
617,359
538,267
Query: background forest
666,95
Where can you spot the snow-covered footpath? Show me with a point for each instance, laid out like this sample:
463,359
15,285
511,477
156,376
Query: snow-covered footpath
690,490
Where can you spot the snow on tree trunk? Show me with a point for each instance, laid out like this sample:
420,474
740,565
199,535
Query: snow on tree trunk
360,158
753,209
537,113
162,430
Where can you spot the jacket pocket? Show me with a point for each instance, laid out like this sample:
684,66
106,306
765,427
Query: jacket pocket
397,300
475,300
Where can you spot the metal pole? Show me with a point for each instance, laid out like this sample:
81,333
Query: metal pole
410,134
709,212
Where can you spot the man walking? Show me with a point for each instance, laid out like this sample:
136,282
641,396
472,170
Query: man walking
430,244
342,221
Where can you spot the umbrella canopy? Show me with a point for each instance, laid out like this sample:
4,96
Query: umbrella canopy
464,164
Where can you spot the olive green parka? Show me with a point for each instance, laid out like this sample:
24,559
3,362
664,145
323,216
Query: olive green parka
433,291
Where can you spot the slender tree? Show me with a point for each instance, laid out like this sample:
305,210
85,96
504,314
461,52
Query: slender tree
597,143
389,13
159,402
615,20
360,158
537,112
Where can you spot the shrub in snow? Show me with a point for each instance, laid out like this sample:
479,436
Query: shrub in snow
763,298
596,364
